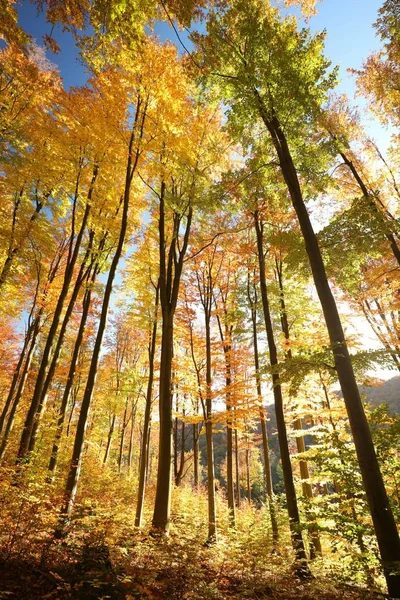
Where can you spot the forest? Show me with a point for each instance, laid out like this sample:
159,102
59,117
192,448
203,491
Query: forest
197,245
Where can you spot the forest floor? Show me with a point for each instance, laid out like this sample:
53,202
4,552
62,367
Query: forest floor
104,556
169,569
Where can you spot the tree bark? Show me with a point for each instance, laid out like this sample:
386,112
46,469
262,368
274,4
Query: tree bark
72,258
293,511
237,470
147,417
76,461
227,346
70,378
267,464
381,512
170,275
315,542
21,385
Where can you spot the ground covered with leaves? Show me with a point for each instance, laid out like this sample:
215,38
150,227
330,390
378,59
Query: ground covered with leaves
170,569
103,556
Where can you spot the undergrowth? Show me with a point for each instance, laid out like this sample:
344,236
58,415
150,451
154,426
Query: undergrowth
104,556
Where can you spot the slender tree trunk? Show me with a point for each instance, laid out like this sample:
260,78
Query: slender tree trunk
130,451
175,435
149,457
248,482
143,464
195,438
315,542
205,286
74,395
73,256
16,375
21,386
179,473
267,464
237,470
170,274
70,380
109,439
212,511
293,511
76,461
227,346
381,512
84,273
122,439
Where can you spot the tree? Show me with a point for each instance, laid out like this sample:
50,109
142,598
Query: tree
261,83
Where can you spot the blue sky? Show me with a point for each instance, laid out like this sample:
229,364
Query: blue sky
350,39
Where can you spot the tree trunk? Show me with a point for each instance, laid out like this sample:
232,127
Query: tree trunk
248,482
170,274
212,513
293,511
267,464
227,346
109,439
237,470
315,542
84,273
381,512
179,473
162,505
122,439
21,385
72,258
76,461
147,418
70,380
195,438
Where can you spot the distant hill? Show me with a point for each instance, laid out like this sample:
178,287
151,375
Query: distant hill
387,393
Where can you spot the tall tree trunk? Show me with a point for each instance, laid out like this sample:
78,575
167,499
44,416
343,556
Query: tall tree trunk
315,542
381,512
248,481
212,511
293,511
162,505
253,299
175,435
72,258
21,386
237,469
227,346
170,274
205,286
84,273
179,473
147,417
109,439
76,461
195,439
122,438
70,379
